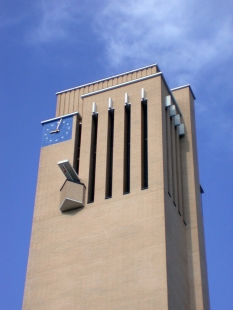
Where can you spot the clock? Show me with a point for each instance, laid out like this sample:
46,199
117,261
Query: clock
57,130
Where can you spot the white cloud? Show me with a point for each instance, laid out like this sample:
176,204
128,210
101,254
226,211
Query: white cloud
180,35
189,41
176,34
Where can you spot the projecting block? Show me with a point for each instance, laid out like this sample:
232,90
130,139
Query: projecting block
72,196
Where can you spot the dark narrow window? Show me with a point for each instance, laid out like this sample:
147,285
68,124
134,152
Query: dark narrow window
92,165
109,164
174,163
126,185
168,143
144,145
178,171
78,144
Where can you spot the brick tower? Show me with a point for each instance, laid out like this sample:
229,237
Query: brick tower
118,217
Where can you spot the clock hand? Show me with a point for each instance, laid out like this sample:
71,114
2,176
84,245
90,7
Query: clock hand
58,125
57,129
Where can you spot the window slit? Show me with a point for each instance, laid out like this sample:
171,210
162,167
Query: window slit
178,174
144,146
169,159
172,160
109,164
174,163
126,185
77,145
92,165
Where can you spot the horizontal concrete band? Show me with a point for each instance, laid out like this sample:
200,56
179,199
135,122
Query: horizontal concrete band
121,84
131,82
108,78
183,86
59,117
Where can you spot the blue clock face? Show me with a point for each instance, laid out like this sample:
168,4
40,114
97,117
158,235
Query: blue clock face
56,131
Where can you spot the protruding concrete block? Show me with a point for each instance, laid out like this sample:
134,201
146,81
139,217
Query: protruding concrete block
72,196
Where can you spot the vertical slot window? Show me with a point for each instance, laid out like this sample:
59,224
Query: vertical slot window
168,136
92,165
77,146
174,163
179,174
144,145
126,185
109,163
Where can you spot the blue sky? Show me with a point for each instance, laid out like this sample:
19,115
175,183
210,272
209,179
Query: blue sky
47,46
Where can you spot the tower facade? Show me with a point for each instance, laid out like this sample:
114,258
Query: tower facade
120,225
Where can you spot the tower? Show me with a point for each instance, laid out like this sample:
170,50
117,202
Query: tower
118,215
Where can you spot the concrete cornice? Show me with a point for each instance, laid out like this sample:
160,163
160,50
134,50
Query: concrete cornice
108,78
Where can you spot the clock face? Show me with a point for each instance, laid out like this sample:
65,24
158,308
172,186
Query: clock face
58,130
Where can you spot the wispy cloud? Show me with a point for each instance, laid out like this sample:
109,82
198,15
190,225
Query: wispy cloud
189,40
177,34
180,35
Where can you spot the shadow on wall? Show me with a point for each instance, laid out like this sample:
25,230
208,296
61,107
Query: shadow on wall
72,212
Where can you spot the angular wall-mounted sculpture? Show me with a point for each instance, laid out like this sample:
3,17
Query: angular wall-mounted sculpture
72,196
